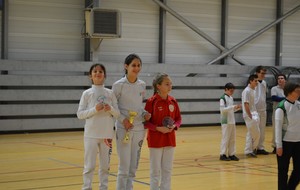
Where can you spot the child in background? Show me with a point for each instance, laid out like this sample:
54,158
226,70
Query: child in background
277,96
98,106
287,133
261,107
161,133
251,117
130,93
227,109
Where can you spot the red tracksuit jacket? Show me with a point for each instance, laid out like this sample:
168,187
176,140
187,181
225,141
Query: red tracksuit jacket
160,108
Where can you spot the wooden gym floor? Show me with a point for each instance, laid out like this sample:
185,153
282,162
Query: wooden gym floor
54,161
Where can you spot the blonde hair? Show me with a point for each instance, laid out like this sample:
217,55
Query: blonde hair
158,80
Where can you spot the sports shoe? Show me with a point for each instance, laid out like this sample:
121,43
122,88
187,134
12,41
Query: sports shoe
224,157
255,151
263,152
251,155
234,158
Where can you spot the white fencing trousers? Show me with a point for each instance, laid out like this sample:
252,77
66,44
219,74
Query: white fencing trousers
161,163
273,144
92,147
129,156
253,133
262,125
228,139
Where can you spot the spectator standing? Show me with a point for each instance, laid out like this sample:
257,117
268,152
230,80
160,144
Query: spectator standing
227,109
277,95
261,107
287,126
250,116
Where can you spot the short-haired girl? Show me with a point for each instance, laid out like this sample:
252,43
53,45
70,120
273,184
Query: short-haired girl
98,106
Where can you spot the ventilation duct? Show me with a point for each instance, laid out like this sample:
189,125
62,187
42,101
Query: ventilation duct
102,23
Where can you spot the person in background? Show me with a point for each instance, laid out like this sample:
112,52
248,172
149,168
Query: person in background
251,117
130,93
277,96
227,109
98,106
261,107
165,120
287,134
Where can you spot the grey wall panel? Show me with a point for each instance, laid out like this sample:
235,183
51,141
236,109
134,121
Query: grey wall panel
202,93
291,37
43,80
38,109
39,95
41,124
44,95
199,106
50,81
47,66
244,20
48,30
139,31
202,119
118,68
184,45
51,30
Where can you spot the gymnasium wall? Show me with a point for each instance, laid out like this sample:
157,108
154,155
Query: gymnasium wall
50,30
45,30
44,95
184,46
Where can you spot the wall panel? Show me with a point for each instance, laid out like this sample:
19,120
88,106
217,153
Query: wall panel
47,30
41,95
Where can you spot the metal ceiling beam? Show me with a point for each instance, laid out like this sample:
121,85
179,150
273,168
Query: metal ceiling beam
253,36
162,35
190,25
4,30
195,28
224,27
279,26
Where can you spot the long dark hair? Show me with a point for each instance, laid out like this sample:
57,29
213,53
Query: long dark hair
130,58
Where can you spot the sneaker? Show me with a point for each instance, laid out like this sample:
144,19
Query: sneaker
263,152
252,155
224,157
234,158
255,151
274,151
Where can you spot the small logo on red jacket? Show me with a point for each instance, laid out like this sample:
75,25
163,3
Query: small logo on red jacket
171,107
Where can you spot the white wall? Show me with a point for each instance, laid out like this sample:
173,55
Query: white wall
245,19
139,31
291,36
51,30
185,46
45,29
182,44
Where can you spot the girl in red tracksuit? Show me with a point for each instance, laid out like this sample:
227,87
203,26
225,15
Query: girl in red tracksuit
161,139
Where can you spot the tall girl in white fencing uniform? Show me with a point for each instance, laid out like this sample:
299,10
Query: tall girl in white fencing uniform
130,93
